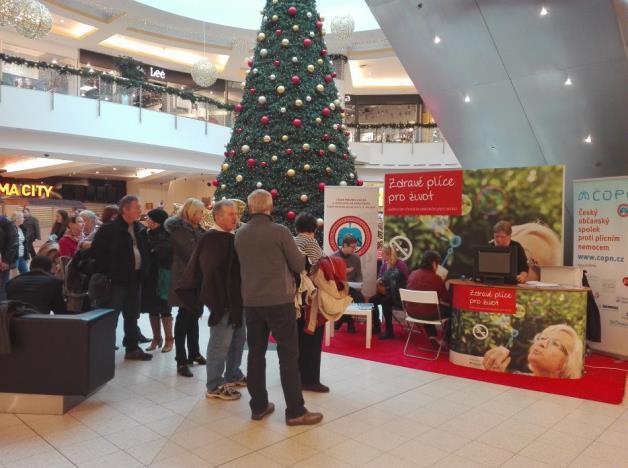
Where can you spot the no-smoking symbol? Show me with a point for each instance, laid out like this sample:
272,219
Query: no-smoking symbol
480,331
402,246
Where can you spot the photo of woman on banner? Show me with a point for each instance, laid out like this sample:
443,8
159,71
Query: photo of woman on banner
556,352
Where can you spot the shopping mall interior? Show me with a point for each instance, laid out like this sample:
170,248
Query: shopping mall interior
515,107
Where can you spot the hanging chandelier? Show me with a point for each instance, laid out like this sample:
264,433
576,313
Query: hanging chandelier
30,18
204,72
343,26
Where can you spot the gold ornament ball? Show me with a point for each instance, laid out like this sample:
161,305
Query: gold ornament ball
351,175
284,138
320,61
225,167
337,102
310,68
343,183
332,148
304,198
239,178
291,173
328,170
274,158
306,146
245,148
285,42
320,222
267,139
275,18
307,168
261,37
298,103
332,106
319,120
320,88
223,186
281,89
296,28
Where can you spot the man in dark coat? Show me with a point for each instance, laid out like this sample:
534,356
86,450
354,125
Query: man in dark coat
31,230
212,278
121,253
38,287
8,252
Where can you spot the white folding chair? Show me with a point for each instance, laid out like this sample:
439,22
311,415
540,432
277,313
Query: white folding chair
421,297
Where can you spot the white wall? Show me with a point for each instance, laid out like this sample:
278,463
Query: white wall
182,188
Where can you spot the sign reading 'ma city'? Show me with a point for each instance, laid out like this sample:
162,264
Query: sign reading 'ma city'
25,190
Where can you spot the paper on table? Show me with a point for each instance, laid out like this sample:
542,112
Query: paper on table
355,285
540,284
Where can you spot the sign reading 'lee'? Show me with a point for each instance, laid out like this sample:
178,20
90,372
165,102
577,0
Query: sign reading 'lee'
423,193
485,299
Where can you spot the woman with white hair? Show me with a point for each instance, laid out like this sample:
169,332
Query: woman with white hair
556,352
185,232
17,218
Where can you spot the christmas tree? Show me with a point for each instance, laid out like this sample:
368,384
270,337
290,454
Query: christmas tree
288,136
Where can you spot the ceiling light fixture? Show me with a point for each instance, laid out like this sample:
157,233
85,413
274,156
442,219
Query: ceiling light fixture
543,11
588,139
437,39
467,98
568,82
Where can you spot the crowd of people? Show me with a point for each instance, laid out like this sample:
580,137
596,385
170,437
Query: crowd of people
247,275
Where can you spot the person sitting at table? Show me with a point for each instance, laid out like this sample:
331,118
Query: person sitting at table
425,279
354,275
502,232
38,287
556,352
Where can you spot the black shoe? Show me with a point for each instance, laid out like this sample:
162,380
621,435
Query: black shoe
259,416
337,325
198,359
142,339
317,388
138,355
184,371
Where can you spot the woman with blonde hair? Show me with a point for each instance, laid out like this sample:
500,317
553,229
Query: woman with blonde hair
185,232
17,218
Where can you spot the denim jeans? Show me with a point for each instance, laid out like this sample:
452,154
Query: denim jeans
22,266
225,348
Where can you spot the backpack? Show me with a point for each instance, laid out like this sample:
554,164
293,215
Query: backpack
76,273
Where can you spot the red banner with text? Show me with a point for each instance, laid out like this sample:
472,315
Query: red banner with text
485,299
423,193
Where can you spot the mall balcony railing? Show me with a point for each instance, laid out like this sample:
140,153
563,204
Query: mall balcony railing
107,91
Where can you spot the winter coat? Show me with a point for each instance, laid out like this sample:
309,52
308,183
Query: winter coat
8,241
160,257
183,237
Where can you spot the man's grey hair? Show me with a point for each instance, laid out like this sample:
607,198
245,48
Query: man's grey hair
88,215
126,201
219,205
260,201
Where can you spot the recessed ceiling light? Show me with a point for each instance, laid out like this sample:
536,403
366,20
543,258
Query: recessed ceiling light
588,139
543,11
436,39
568,82
97,172
115,168
467,98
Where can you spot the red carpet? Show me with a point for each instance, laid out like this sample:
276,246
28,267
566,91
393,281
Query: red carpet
603,385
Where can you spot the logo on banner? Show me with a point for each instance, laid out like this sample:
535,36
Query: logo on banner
355,226
480,331
625,280
622,210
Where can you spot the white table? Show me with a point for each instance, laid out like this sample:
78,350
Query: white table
353,309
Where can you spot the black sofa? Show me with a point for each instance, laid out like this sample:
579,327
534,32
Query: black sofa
69,355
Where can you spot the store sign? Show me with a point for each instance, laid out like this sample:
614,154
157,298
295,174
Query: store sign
157,73
485,299
25,190
423,193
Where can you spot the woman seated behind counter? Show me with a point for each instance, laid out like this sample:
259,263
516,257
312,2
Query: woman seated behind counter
502,232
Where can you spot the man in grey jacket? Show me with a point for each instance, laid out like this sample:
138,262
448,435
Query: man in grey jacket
269,259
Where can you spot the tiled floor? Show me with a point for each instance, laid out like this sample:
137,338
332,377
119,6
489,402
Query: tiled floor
377,415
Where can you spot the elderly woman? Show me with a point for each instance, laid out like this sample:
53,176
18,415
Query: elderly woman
556,352
185,232
17,218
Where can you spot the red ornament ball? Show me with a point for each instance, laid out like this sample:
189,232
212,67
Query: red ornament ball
321,186
274,193
328,79
319,25
292,11
296,80
326,112
345,157
307,42
289,152
291,215
326,137
278,32
297,123
359,182
251,163
321,153
238,108
249,62
239,130
264,120
252,91
215,183
232,153
226,153
334,74
277,63
263,164
324,53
